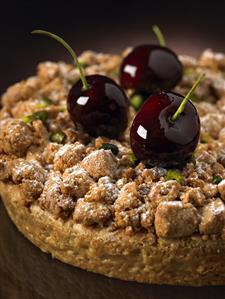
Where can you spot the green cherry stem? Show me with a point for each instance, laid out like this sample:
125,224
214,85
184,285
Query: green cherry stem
159,35
186,98
70,50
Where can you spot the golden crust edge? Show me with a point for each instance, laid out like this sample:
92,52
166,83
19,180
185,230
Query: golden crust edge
138,257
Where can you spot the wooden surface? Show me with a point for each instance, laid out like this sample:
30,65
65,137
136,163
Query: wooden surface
27,273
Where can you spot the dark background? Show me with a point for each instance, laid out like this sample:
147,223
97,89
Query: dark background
107,26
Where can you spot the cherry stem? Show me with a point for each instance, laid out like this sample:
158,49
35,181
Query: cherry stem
159,35
186,98
70,50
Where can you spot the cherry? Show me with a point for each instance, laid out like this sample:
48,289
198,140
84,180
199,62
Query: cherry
100,109
95,101
149,68
165,132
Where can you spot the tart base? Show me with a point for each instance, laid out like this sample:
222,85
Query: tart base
138,257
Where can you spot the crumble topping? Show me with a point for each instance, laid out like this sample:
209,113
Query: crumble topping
104,190
53,200
68,155
92,213
175,219
212,220
76,179
100,163
15,138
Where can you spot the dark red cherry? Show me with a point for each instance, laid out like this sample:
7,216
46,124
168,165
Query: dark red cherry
96,102
101,109
156,139
150,68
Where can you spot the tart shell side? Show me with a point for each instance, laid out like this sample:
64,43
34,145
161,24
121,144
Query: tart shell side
137,257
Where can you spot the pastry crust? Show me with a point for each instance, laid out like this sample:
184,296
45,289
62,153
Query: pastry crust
140,257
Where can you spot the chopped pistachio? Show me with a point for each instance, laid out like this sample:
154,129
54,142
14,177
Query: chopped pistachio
116,72
206,138
28,119
44,102
188,71
57,137
217,179
41,115
193,159
83,63
133,159
195,98
62,109
175,174
71,82
109,146
41,105
136,101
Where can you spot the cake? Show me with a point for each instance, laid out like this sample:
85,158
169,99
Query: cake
101,210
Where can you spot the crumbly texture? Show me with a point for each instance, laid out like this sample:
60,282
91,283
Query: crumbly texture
76,185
